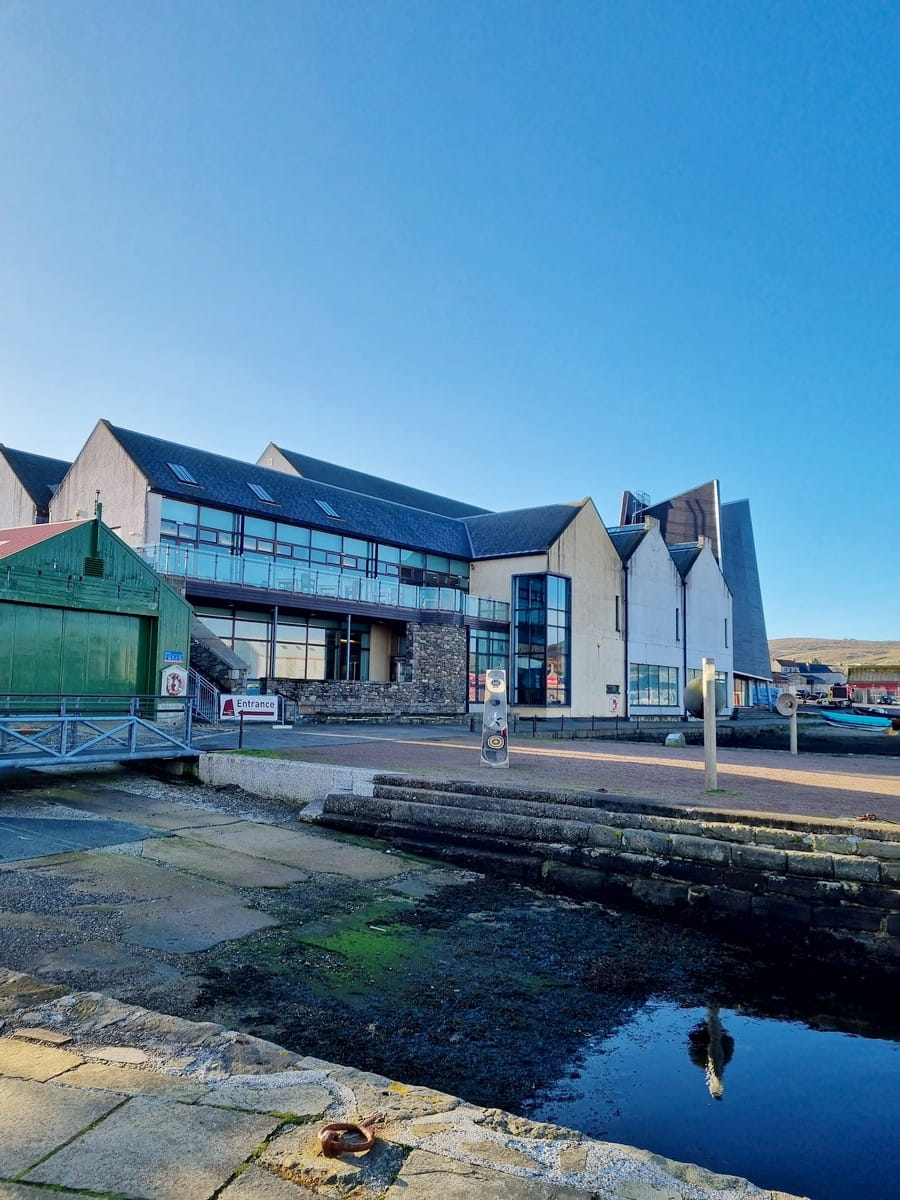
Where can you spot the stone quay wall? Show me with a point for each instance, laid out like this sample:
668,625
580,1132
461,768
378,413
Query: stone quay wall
809,876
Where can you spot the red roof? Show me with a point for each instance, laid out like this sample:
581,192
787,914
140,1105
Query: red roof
14,540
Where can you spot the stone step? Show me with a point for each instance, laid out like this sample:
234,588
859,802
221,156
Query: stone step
811,837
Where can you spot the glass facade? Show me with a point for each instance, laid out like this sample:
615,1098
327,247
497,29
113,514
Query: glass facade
488,650
304,648
649,684
542,625
187,524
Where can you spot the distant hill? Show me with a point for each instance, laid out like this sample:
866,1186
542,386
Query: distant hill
836,652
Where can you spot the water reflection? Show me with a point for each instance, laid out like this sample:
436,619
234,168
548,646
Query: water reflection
787,1125
711,1048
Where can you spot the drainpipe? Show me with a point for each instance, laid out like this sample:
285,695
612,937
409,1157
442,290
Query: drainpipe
626,686
347,656
684,644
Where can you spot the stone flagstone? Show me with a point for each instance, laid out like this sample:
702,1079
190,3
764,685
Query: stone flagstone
158,1150
37,1117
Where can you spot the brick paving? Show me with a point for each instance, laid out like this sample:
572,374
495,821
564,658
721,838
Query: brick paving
825,785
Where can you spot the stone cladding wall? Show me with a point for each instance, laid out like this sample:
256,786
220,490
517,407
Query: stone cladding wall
438,660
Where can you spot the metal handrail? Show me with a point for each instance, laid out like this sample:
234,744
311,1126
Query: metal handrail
186,562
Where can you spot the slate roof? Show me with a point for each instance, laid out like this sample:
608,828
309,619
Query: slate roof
627,538
223,482
39,476
684,556
373,485
14,540
522,531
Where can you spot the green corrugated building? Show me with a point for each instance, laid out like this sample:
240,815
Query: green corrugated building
81,613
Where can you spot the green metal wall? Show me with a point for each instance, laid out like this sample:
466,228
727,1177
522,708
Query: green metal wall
64,630
60,650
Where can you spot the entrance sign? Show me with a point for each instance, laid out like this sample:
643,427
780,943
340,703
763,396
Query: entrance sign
233,706
495,731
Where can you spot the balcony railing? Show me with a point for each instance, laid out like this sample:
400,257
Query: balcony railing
186,562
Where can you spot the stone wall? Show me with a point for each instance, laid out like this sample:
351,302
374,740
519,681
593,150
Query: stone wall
810,876
438,661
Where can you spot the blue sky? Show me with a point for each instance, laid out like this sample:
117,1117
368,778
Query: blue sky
515,252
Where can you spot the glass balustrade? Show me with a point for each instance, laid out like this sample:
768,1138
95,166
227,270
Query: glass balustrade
189,562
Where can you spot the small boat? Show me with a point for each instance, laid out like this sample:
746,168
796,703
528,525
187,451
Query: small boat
854,720
870,710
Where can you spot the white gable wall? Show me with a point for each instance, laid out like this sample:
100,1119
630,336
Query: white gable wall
654,597
708,603
103,465
586,554
16,506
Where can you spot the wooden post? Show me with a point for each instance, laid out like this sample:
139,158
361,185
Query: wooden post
709,724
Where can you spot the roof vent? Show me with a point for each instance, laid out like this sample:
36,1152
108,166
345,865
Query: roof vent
260,493
182,474
93,567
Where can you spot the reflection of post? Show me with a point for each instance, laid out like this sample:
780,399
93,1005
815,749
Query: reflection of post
711,1048
709,723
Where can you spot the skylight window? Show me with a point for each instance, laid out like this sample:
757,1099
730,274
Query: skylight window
260,493
328,510
182,474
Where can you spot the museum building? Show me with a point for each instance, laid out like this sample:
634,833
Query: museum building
352,594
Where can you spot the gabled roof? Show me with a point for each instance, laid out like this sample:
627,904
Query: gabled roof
22,538
39,476
522,531
373,485
685,555
224,482
627,538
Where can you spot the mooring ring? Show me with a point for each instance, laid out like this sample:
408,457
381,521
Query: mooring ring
333,1140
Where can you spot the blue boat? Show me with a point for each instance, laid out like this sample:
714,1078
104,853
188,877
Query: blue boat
847,720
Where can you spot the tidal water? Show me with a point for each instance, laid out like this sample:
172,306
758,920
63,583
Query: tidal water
804,1110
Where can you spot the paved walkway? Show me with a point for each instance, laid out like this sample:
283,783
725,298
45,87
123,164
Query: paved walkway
756,780
103,1098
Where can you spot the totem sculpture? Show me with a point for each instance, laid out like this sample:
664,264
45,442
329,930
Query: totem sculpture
495,733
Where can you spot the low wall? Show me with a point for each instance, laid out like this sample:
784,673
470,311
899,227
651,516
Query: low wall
282,779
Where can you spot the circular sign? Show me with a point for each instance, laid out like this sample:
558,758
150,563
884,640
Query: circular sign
496,741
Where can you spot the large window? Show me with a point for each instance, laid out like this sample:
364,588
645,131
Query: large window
264,539
542,622
305,648
655,685
488,650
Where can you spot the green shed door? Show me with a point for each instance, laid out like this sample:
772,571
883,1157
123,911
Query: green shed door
104,653
30,648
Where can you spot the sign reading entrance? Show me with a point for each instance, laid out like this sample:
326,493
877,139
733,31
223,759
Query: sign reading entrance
252,708
495,732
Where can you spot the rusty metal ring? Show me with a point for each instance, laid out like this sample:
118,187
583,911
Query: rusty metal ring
333,1141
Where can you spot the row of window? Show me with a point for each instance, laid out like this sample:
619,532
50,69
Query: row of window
304,648
232,533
